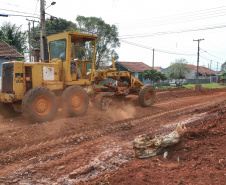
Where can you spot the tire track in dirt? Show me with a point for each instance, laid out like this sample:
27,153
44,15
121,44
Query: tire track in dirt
134,126
103,154
29,151
60,146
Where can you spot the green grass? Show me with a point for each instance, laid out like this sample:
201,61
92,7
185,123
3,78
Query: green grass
164,87
208,86
191,86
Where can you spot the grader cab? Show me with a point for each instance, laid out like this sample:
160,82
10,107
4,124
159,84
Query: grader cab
32,88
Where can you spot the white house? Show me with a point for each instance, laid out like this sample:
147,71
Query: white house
204,72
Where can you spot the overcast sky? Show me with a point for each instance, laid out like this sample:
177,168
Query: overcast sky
168,26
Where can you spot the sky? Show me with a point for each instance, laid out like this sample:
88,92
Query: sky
167,26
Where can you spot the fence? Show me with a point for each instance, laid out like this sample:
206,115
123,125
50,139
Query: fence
213,79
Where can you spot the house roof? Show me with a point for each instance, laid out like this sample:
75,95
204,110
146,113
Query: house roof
134,66
157,68
104,67
8,51
203,70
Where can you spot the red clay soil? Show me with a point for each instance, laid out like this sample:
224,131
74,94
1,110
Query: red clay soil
97,148
199,158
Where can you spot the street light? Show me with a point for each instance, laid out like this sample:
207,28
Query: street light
43,32
53,3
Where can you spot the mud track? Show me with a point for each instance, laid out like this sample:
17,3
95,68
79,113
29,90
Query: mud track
46,153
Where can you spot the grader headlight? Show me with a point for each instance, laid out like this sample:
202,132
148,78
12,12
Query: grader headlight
11,97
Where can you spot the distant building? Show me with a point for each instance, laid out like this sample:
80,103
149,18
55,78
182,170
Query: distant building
158,68
203,72
136,68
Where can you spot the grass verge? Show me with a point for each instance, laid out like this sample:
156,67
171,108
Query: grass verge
191,86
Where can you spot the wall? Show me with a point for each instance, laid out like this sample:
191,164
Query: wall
120,68
190,75
135,74
2,60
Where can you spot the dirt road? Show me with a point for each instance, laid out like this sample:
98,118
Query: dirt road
97,147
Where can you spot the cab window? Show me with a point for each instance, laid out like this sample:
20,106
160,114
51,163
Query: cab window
57,49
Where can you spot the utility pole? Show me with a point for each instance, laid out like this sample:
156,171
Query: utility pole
198,60
217,66
42,32
29,35
29,38
153,67
210,71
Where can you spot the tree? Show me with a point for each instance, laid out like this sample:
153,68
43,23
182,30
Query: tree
223,77
177,69
154,75
14,36
106,44
108,40
53,26
223,67
2,36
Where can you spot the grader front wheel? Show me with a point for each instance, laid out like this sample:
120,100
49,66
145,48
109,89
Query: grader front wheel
40,104
146,96
75,101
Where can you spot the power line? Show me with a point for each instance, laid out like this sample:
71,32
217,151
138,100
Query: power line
204,57
172,32
159,50
36,7
213,55
17,11
204,14
216,51
23,16
170,22
16,5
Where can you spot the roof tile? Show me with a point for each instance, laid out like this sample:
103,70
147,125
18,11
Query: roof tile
8,51
135,66
203,70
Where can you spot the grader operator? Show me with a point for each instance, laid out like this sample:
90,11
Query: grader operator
32,88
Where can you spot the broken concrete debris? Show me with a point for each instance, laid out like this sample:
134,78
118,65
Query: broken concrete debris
148,146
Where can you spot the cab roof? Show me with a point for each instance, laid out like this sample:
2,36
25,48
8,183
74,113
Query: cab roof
75,36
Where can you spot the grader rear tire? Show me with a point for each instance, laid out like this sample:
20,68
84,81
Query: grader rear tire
146,96
75,101
40,104
7,111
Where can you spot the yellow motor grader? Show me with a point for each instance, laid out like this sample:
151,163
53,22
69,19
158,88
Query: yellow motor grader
33,88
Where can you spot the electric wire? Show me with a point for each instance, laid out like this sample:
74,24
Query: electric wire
36,7
23,16
213,55
172,18
159,50
169,22
172,32
17,11
215,51
209,60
